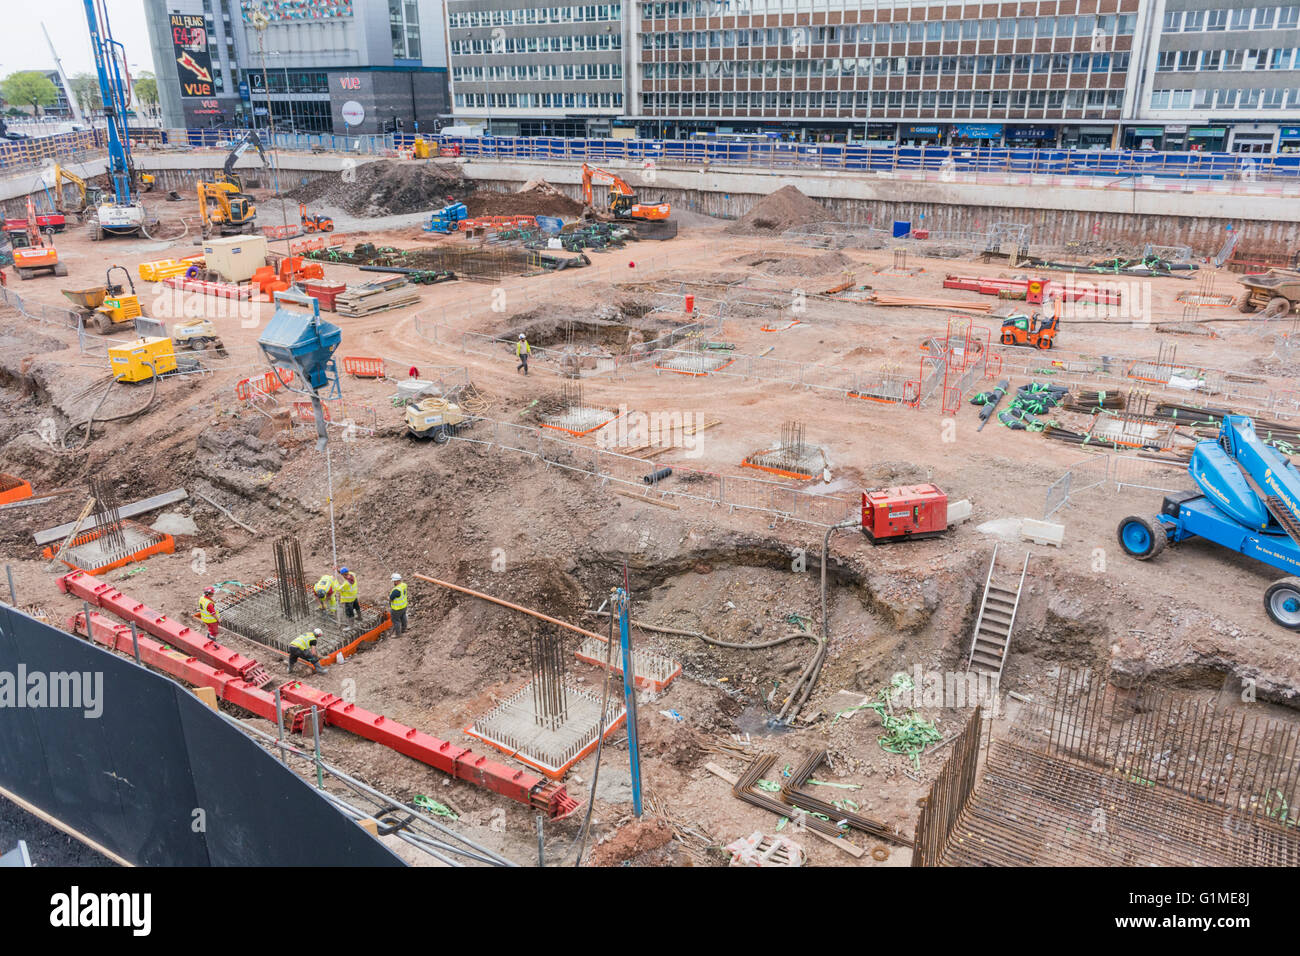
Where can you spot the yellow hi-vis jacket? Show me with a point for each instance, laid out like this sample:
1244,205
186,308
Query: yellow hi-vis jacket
326,587
397,597
522,347
207,610
347,590
303,641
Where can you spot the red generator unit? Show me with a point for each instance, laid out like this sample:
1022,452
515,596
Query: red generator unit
904,514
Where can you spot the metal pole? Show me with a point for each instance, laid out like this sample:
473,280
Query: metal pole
329,476
135,642
315,731
629,697
279,727
13,595
85,610
541,841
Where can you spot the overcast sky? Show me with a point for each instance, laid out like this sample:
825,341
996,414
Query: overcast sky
23,46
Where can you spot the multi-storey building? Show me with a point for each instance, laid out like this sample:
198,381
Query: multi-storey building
1041,72
532,67
1218,74
359,66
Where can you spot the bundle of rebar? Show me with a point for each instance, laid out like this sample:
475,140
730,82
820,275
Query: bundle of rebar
1090,400
550,695
792,443
289,578
794,793
109,519
744,790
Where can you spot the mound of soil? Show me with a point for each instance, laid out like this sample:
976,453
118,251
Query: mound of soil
819,265
386,187
541,200
782,210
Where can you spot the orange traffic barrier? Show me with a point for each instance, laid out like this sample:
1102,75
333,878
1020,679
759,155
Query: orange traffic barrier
363,367
13,489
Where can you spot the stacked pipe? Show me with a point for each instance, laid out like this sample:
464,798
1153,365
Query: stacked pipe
794,793
1090,400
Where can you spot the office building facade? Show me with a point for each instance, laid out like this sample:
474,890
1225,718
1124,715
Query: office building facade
329,66
537,68
1142,74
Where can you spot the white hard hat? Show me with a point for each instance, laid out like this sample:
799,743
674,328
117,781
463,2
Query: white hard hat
521,335
318,632
397,577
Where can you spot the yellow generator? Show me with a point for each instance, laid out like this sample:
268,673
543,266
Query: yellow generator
435,418
142,359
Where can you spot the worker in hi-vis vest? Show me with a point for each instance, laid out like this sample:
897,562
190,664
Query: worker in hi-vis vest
304,646
348,593
522,351
397,605
327,593
208,611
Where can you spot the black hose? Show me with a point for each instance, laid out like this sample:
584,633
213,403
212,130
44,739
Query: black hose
88,424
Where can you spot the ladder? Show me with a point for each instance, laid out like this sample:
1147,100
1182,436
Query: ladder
992,639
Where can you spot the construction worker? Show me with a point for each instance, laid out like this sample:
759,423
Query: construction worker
522,351
304,646
397,605
208,611
327,593
348,593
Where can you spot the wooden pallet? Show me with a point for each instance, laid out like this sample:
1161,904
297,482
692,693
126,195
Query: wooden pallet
359,300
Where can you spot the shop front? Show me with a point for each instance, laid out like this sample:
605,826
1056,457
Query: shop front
1210,139
1088,137
1288,139
1145,138
1031,137
1255,138
975,135
920,135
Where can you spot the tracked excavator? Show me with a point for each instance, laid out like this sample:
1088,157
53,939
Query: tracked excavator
224,207
1247,500
646,220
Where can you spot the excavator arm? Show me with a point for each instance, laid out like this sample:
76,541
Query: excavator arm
250,139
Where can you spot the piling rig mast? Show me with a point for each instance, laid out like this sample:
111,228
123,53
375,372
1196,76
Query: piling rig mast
122,214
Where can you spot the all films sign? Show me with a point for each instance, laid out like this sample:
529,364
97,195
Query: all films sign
190,47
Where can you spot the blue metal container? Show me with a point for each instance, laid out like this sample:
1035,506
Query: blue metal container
301,341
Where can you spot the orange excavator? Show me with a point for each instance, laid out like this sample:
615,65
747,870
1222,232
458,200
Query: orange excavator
37,253
622,197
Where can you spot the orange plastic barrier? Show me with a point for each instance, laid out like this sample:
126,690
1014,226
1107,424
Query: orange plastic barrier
268,383
363,367
13,488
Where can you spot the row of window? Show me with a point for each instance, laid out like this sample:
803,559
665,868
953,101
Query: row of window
586,13
1274,99
1282,58
564,44
548,71
1248,18
880,100
294,81
539,101
893,66
1007,28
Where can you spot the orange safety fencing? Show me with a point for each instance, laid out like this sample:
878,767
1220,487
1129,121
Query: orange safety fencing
363,366
266,384
319,242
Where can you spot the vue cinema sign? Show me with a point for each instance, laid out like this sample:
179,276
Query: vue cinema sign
190,47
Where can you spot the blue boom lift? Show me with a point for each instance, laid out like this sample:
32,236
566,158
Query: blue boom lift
122,215
1249,502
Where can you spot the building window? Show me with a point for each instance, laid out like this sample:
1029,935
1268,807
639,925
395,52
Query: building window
1216,20
1194,21
1241,19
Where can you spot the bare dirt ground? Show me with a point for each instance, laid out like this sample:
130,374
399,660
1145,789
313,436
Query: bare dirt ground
555,541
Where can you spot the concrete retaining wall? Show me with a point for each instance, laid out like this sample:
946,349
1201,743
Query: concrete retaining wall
1056,213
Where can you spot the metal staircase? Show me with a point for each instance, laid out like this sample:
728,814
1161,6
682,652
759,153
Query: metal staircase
992,639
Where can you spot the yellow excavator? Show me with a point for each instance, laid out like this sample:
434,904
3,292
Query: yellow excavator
224,208
91,196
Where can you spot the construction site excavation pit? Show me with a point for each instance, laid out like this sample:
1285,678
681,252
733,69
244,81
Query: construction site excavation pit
256,613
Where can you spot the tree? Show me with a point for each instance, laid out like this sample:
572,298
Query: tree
29,88
146,90
85,87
